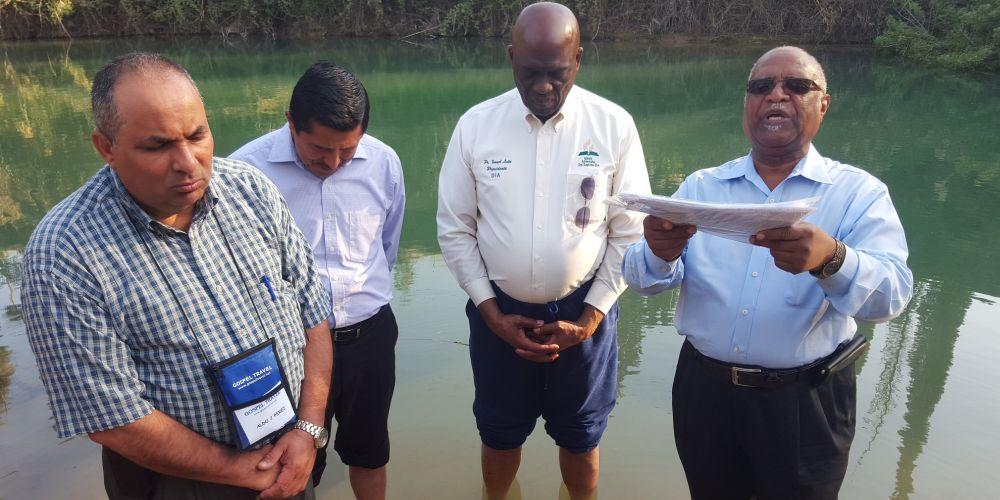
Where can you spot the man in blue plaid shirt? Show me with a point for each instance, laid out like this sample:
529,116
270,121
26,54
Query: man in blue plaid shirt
165,262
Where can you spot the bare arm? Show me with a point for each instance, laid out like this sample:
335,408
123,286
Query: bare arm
296,450
318,354
160,443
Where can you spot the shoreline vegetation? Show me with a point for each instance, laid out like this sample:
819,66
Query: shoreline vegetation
957,34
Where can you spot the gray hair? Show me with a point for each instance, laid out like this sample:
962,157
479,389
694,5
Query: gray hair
102,92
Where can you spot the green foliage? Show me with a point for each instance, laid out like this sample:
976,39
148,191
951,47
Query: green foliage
833,20
49,10
488,18
961,34
958,34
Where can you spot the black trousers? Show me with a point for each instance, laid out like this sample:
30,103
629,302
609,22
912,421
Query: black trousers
742,442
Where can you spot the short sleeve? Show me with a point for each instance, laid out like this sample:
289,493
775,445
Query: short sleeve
86,368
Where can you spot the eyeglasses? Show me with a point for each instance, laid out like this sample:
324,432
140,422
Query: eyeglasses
587,186
795,85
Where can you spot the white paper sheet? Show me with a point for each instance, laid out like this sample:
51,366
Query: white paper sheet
735,221
266,416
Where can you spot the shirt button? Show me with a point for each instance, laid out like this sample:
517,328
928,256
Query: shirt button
334,278
755,274
538,194
329,216
736,349
536,285
331,248
745,312
539,226
537,258
770,200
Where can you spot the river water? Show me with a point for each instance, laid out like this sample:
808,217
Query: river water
928,407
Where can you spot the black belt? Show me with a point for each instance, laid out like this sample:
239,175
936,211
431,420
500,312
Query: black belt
353,332
760,377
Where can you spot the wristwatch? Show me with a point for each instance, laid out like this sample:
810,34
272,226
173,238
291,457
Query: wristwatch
319,434
833,265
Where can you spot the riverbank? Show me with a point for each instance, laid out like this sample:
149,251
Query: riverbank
952,33
844,21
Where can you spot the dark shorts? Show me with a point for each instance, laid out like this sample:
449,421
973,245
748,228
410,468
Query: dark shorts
735,442
575,394
364,376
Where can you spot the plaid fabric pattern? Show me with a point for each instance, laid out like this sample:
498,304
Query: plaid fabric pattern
106,289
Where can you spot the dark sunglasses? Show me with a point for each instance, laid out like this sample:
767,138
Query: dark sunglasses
798,86
587,186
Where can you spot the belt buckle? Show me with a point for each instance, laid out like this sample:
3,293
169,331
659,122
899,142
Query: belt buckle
346,335
736,370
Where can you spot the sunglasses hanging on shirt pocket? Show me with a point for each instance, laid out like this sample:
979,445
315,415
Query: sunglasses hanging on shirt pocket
255,393
585,207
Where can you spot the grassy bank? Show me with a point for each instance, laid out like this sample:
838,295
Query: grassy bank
962,34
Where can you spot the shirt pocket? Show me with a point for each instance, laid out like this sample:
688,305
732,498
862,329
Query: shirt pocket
285,313
587,190
364,227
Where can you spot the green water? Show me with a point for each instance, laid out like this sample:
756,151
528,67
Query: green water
928,408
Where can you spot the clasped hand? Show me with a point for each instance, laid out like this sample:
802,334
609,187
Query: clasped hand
541,342
292,457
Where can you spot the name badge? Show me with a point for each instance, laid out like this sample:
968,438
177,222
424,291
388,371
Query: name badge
256,395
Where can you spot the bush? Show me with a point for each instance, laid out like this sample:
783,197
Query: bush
963,35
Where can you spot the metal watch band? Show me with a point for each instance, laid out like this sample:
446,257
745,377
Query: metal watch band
314,430
833,265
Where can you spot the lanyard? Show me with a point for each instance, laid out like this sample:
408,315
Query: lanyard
173,293
239,268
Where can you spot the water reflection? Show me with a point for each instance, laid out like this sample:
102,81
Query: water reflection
6,372
10,278
929,135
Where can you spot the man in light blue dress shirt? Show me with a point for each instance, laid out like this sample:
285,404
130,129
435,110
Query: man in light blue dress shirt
755,414
344,189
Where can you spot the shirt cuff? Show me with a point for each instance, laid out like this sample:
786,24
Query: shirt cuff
601,296
479,290
840,283
656,267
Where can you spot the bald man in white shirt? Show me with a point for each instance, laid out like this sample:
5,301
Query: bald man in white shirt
524,228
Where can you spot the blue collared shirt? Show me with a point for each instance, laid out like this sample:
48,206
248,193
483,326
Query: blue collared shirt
351,219
108,294
736,306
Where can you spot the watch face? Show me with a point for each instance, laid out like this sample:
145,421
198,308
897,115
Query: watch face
324,437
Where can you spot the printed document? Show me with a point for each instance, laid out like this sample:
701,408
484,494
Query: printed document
735,221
